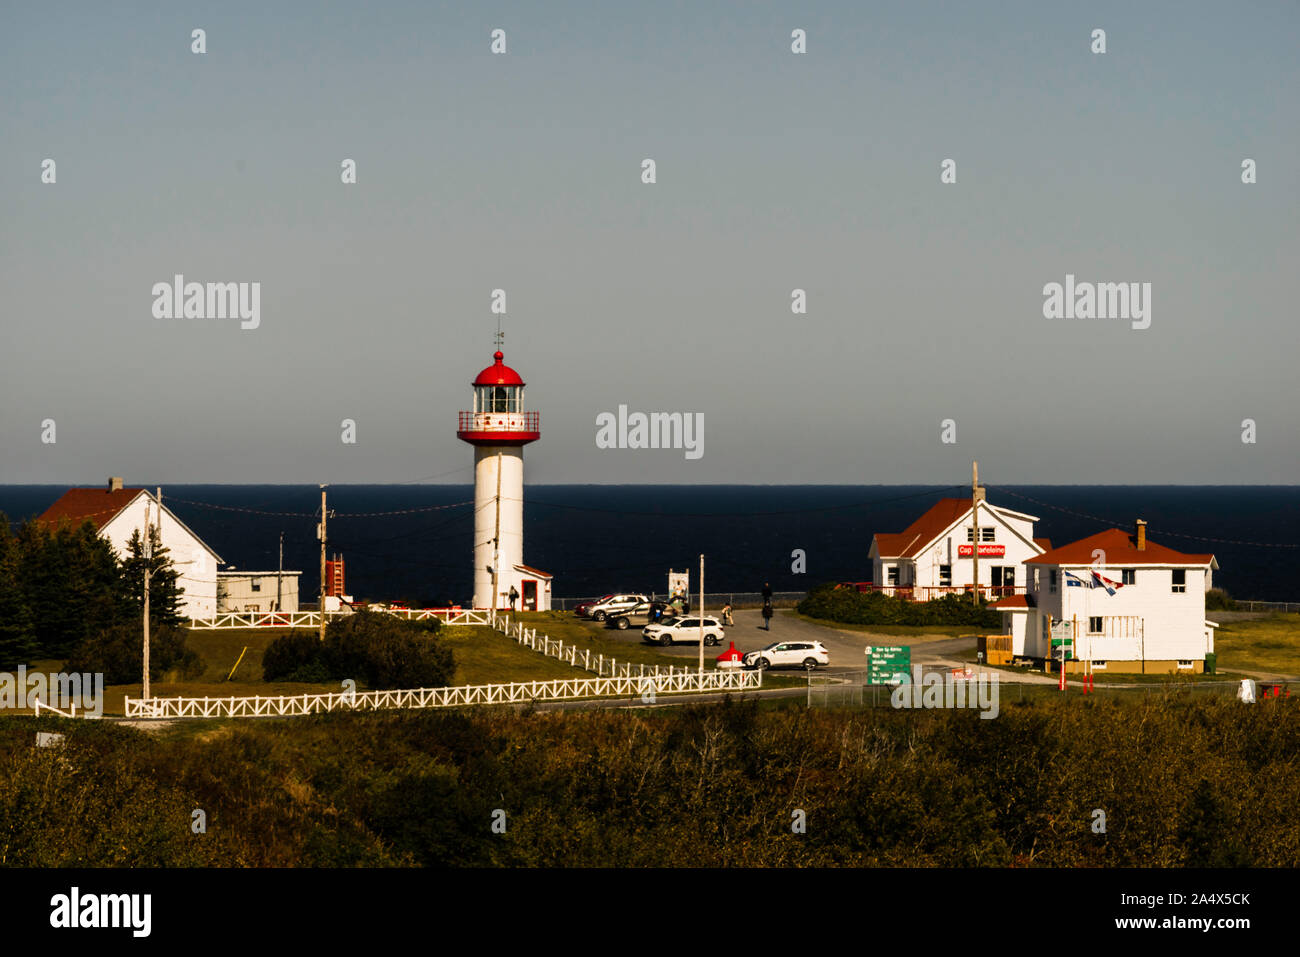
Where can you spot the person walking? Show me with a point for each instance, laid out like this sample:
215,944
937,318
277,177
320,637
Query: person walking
767,593
726,615
767,614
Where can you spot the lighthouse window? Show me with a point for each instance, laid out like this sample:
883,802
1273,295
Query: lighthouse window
498,398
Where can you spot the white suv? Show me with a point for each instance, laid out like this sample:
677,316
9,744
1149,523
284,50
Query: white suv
685,629
789,654
614,604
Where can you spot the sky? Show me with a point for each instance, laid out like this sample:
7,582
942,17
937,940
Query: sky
775,171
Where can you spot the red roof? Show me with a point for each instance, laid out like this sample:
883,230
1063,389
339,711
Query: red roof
1011,602
909,542
534,571
1120,548
1044,543
498,373
97,505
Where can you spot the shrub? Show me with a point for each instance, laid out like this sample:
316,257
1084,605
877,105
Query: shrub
834,603
297,656
1216,599
118,652
382,651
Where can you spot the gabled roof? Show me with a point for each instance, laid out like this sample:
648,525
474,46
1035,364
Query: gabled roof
1014,603
941,516
97,505
101,506
1120,548
535,571
1044,543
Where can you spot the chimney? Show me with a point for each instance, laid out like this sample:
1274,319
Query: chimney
1140,533
115,483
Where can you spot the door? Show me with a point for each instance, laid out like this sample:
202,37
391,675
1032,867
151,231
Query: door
530,594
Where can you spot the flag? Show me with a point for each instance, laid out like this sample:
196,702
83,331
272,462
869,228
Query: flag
1101,581
1073,581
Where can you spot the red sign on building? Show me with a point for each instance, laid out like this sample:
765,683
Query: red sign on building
992,551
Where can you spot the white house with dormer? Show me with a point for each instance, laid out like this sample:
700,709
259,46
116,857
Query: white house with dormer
936,555
1116,602
117,512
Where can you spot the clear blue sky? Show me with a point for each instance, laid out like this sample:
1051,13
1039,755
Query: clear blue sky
775,171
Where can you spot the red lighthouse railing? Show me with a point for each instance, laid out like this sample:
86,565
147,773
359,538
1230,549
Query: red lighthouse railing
500,422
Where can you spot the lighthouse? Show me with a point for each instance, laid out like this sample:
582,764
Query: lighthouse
499,428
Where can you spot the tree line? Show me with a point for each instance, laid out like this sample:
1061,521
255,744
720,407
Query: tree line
65,593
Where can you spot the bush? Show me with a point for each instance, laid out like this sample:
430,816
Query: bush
297,656
1216,599
118,652
382,651
834,603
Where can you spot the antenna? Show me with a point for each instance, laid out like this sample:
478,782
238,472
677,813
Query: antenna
500,337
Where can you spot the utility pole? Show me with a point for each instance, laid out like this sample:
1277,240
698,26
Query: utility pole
320,531
279,574
975,497
496,541
148,560
701,611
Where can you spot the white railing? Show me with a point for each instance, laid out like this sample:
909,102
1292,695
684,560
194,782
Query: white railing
561,689
583,658
311,619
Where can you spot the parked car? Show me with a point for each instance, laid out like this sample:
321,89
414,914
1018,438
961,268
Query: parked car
685,629
583,608
640,614
614,604
788,654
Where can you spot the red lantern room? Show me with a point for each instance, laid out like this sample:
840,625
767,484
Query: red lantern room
498,417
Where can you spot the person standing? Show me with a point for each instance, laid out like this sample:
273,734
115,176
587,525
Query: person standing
726,615
767,593
767,614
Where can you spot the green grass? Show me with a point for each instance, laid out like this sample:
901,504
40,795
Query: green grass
484,656
1270,645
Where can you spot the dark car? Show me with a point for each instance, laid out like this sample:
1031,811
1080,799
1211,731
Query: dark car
583,608
641,614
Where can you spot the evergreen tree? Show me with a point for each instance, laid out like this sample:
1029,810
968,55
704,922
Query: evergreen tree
164,581
18,644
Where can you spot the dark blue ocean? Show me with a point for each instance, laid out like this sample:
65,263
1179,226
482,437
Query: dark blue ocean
599,538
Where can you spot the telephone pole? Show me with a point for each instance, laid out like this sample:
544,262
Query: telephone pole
976,494
701,614
279,574
496,542
320,531
148,560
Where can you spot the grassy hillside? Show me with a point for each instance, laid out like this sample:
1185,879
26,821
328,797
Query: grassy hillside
1181,782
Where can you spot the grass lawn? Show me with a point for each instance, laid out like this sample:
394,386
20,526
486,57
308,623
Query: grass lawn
915,634
1269,645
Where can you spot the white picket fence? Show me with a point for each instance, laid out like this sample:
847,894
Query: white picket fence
311,619
562,689
583,658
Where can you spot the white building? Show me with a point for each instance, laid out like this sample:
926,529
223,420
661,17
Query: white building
257,591
117,512
1119,602
499,428
935,555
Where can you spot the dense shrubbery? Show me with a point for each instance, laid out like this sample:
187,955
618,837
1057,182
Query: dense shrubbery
118,652
383,651
1183,780
850,606
1216,599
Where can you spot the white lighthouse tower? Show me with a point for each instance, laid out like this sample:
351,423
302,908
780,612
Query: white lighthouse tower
499,428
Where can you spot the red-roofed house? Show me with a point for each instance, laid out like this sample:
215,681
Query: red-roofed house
934,555
1118,601
117,512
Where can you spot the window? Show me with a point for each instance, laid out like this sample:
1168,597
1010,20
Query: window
945,574
986,533
1051,580
1099,666
1036,582
1180,580
891,574
1184,664
1130,576
1094,625
255,584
